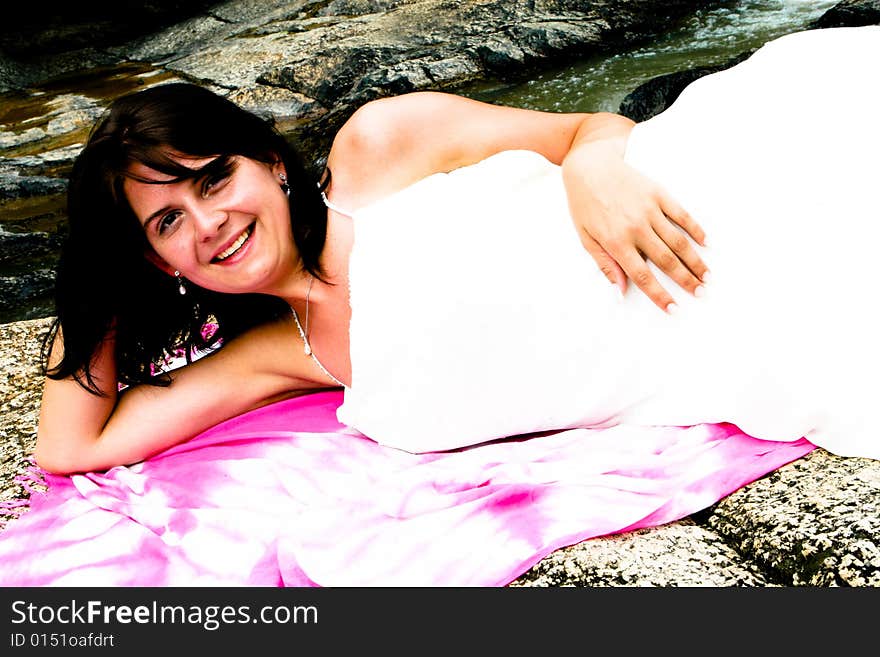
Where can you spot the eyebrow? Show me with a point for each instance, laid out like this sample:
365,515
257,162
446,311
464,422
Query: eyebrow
155,215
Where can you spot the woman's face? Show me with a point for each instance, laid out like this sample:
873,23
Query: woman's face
228,231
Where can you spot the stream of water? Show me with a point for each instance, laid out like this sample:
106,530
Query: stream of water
711,36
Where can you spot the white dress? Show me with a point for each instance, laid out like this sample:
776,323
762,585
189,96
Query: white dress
476,313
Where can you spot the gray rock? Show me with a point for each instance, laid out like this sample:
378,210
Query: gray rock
815,522
54,27
15,186
850,13
655,95
22,75
175,41
677,554
20,386
287,109
27,294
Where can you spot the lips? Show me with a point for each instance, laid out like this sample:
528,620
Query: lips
234,246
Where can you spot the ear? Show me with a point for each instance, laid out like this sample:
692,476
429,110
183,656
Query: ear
278,167
154,258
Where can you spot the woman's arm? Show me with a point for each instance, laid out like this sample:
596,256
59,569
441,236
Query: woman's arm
81,432
393,142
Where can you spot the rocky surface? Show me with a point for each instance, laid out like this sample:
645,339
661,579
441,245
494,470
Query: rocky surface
814,522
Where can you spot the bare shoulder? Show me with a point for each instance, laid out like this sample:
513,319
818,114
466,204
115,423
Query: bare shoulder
390,143
386,145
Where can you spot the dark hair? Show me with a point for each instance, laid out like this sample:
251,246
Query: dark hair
104,281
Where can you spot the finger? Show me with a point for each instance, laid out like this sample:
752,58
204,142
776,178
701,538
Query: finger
607,265
637,269
672,209
674,254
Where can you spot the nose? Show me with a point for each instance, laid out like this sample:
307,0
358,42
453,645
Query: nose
208,220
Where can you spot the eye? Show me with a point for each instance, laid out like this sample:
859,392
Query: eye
168,221
214,182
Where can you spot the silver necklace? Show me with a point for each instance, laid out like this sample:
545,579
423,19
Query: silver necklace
307,348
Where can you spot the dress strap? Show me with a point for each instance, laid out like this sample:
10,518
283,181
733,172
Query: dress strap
333,206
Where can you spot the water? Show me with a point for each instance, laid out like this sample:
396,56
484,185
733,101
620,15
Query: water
711,36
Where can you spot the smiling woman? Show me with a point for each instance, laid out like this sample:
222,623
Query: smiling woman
448,275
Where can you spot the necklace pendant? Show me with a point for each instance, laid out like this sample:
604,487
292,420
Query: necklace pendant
307,349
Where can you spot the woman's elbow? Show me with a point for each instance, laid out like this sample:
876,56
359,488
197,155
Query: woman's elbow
53,460
49,462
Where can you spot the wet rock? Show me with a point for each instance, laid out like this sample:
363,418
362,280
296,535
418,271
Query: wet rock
850,13
16,186
18,74
51,27
657,94
27,294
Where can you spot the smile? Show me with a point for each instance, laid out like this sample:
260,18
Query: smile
235,246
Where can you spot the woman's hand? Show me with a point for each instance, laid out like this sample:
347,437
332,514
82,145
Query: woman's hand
624,218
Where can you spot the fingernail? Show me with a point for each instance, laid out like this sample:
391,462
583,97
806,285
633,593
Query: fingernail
699,291
706,277
672,309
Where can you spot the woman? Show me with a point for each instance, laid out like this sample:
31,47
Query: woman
453,290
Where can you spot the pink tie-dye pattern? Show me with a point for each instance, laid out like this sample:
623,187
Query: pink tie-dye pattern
286,496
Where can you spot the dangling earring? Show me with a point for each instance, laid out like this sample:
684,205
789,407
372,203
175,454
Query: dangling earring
284,186
181,288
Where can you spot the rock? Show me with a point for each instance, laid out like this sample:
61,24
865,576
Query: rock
678,554
51,27
27,294
20,387
850,13
655,95
813,523
15,186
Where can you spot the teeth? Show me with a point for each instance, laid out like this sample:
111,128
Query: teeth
235,246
